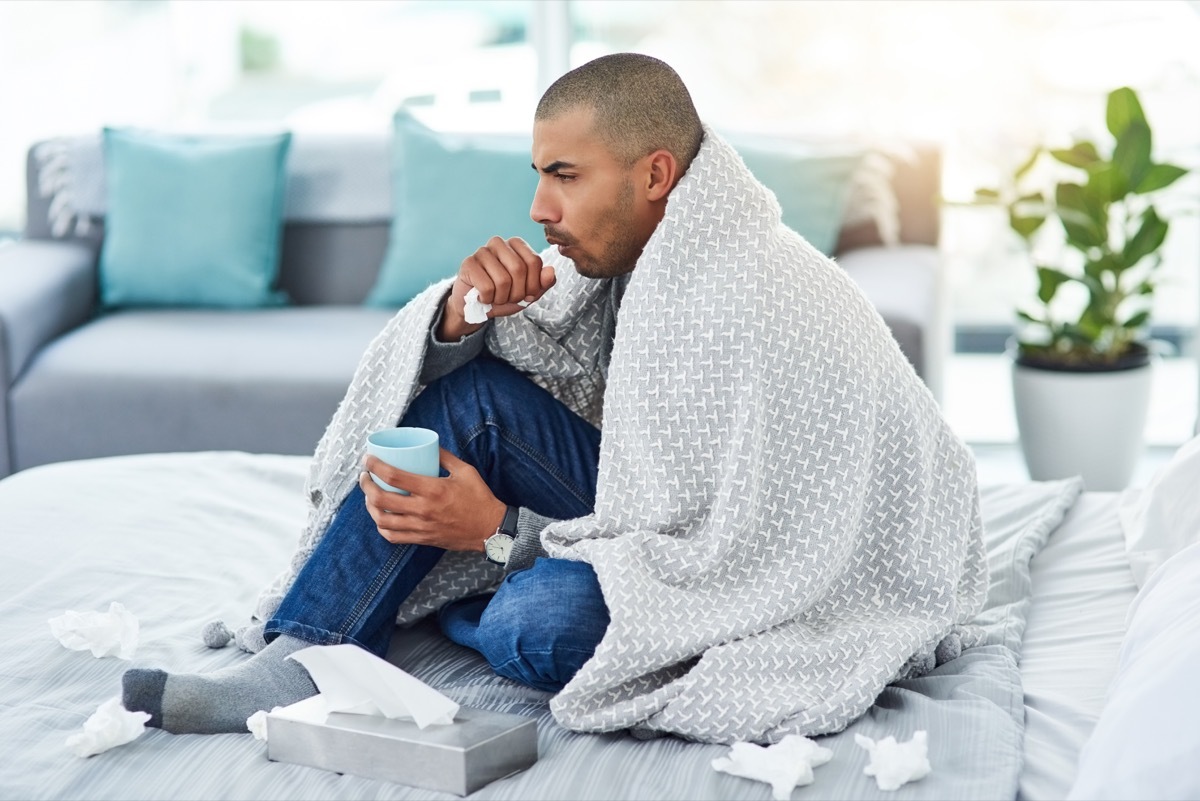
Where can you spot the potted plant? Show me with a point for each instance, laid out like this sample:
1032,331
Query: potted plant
1081,357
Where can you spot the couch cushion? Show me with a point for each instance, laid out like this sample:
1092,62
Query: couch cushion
192,220
264,380
451,193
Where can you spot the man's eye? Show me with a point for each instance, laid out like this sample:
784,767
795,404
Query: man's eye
564,178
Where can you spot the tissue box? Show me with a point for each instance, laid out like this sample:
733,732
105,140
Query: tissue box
477,748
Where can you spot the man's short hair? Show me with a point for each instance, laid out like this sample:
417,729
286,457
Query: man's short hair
640,103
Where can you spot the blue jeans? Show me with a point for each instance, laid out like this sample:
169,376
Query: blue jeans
542,623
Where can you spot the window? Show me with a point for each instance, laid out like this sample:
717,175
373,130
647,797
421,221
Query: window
985,79
336,65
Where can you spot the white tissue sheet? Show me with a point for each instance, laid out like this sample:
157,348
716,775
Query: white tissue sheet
892,763
109,726
355,680
475,311
256,724
786,765
111,633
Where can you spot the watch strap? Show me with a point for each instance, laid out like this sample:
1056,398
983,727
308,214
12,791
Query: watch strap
509,524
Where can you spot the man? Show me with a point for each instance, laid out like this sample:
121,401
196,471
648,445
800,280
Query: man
775,490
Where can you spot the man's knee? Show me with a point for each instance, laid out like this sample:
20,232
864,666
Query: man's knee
460,396
544,623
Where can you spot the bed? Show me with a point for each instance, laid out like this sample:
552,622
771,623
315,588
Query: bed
181,539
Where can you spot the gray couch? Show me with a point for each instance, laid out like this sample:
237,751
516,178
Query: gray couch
78,382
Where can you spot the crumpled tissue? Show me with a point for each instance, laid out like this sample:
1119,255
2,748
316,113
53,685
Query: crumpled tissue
111,633
257,723
892,763
785,765
109,726
351,679
475,311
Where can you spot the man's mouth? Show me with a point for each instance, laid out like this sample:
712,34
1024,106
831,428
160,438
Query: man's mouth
561,242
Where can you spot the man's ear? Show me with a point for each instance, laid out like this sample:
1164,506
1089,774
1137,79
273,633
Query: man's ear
661,174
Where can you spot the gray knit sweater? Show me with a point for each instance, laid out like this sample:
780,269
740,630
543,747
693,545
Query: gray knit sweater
442,358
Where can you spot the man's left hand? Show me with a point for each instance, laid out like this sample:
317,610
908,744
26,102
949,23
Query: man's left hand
456,513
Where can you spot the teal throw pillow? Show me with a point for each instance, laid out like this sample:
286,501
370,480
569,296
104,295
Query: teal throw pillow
192,220
812,186
451,192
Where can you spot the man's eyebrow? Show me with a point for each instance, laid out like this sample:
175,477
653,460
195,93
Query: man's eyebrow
554,167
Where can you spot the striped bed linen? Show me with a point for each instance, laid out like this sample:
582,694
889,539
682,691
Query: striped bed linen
181,539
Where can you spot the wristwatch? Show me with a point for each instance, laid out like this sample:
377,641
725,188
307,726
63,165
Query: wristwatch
497,547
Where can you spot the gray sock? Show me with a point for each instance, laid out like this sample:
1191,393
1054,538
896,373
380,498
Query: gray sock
211,703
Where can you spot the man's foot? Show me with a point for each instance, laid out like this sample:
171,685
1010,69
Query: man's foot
213,703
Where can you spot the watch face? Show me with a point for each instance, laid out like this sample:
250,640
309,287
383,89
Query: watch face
498,547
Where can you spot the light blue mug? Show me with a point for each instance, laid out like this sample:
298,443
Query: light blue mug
414,450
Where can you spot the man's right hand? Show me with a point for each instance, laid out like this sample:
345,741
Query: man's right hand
505,271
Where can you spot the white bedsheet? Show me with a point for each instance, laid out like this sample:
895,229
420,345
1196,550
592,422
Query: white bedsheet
1082,586
252,504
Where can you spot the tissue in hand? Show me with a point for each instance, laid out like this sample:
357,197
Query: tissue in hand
111,633
109,726
785,765
892,763
373,719
476,311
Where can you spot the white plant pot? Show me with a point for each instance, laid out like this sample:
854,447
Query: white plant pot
1088,424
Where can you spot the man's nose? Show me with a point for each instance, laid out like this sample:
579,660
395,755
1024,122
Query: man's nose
545,210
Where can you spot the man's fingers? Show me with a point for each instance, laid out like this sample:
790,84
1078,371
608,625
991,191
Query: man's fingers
498,281
381,500
397,529
532,264
506,272
449,461
400,479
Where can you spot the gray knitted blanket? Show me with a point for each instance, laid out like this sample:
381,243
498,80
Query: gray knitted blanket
784,522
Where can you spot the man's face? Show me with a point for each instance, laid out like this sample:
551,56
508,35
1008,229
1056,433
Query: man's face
586,197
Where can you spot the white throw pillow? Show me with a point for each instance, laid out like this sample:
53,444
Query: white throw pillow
1164,518
1146,742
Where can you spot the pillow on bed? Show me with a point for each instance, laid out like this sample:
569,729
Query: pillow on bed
1164,518
1146,740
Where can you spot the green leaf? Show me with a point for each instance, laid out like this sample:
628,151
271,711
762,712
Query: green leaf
1093,321
1027,165
1132,154
1095,268
1137,320
987,194
1049,280
1027,317
1078,334
1158,177
1025,226
1081,154
1105,184
1123,109
1145,288
1079,217
1098,295
1149,238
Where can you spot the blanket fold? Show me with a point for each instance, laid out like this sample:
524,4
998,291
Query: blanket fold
784,522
